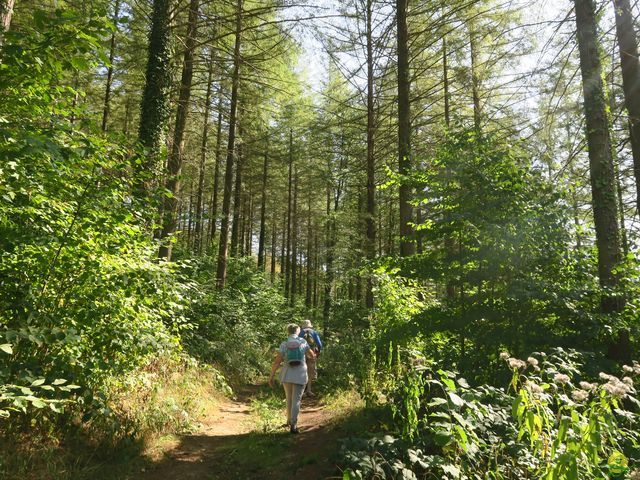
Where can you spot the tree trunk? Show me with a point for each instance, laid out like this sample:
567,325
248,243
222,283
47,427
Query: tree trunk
390,229
407,246
221,271
274,236
154,107
475,79
418,235
328,285
307,300
203,157
283,246
244,214
623,227
294,240
174,165
112,56
189,217
445,80
6,13
316,267
600,164
237,197
263,210
630,64
216,173
287,269
449,242
248,246
371,166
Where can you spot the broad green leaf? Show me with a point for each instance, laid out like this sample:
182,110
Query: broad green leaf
456,400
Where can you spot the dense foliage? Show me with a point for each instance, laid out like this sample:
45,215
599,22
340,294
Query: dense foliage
553,421
430,201
81,299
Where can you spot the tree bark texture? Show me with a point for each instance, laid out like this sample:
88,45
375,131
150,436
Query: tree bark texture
6,13
600,164
154,107
308,296
599,144
203,157
221,270
110,69
475,78
294,240
174,164
237,197
449,242
287,260
407,246
445,81
630,65
263,212
274,236
371,161
328,284
213,217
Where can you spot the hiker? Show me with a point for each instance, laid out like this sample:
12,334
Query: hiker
312,337
293,354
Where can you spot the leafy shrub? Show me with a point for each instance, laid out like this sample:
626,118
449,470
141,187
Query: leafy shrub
239,328
82,297
167,396
551,423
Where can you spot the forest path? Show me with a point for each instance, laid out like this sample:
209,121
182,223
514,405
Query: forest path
232,444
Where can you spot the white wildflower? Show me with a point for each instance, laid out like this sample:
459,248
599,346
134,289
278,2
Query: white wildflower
504,356
579,395
589,387
604,376
627,368
561,378
634,475
516,364
616,387
628,381
532,361
534,387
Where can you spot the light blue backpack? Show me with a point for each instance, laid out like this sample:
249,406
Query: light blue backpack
294,353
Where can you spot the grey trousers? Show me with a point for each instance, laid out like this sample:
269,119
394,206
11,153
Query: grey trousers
293,392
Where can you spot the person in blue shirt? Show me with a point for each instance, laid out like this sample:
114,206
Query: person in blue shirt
313,339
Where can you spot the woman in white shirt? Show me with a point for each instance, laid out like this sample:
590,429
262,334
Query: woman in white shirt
293,376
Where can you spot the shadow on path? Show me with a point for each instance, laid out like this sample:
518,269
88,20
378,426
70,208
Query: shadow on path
228,447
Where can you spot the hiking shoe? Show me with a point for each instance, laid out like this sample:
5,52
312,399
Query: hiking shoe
294,429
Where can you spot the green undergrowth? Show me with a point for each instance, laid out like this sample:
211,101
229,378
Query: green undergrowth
143,411
554,420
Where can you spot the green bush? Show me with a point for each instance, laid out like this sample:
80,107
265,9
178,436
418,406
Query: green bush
552,422
239,328
82,298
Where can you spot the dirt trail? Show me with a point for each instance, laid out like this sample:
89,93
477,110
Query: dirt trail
228,446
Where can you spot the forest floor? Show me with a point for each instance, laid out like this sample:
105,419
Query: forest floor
246,439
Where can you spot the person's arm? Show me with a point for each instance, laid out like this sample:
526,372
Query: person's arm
318,341
276,363
310,353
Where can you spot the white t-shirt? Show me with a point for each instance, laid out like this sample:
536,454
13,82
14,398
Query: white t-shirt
294,374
